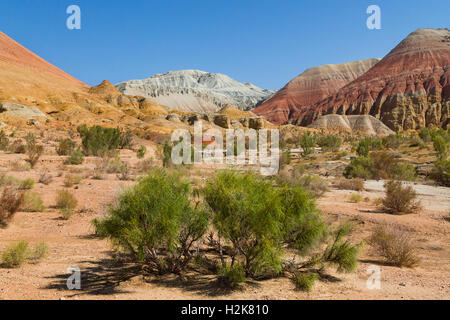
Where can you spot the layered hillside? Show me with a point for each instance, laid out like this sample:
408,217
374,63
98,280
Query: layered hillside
32,87
196,91
363,124
310,87
407,89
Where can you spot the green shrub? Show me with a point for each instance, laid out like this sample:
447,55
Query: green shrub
314,183
167,154
405,172
395,246
26,184
98,140
400,199
359,168
16,255
33,150
380,165
393,141
366,145
425,134
70,180
305,281
76,157
308,142
356,198
231,276
257,218
441,147
33,202
65,147
441,172
140,153
248,213
66,202
329,142
156,222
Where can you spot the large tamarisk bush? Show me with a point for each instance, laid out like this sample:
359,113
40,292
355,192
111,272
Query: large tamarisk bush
259,220
156,222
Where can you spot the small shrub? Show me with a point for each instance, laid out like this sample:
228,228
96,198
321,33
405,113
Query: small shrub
40,252
441,172
140,153
33,202
400,199
26,184
126,140
20,166
231,276
16,255
124,172
10,201
33,150
4,141
45,178
366,145
359,168
314,184
441,147
98,140
395,246
145,166
305,281
65,147
356,198
76,157
425,134
17,147
308,142
393,141
71,180
167,154
66,201
329,143
350,184
405,172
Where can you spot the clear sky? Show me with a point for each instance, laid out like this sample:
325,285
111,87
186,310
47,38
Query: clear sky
266,42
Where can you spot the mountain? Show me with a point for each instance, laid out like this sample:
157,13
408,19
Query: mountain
407,89
197,91
27,78
32,87
310,87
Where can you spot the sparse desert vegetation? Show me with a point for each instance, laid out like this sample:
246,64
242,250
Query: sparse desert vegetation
229,229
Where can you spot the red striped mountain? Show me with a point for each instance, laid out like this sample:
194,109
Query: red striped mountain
407,89
310,87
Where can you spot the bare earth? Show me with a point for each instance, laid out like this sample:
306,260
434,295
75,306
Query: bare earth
72,243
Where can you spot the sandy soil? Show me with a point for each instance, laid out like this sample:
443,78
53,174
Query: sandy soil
72,243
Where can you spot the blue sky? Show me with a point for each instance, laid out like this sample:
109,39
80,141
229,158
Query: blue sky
265,42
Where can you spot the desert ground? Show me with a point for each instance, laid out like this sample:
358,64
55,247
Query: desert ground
73,243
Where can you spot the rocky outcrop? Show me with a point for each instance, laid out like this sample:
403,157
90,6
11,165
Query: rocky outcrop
20,111
363,124
408,89
310,87
195,91
222,120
